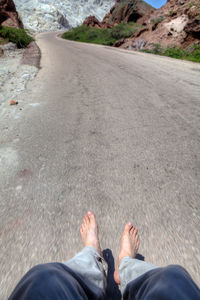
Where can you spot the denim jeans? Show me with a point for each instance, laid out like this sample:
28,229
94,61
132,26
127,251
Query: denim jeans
84,277
92,266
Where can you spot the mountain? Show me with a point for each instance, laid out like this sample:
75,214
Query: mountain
46,15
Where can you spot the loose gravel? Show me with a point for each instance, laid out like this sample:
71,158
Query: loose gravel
14,74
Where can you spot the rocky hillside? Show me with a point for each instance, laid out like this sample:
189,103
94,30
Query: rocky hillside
8,14
128,11
123,11
40,15
175,24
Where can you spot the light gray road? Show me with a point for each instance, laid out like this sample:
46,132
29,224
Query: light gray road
108,130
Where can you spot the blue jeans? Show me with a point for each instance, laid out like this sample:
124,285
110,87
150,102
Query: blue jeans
92,266
84,278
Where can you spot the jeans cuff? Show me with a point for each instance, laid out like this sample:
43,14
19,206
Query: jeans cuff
91,249
125,259
100,260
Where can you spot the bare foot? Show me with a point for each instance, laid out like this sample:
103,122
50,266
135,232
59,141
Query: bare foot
129,246
89,231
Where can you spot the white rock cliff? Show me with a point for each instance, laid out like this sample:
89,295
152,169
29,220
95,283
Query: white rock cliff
47,15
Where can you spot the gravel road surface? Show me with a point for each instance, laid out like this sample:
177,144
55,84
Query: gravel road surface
108,130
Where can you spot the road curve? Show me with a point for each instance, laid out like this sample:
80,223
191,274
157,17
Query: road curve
107,130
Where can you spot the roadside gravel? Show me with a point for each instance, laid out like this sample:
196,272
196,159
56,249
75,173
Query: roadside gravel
17,68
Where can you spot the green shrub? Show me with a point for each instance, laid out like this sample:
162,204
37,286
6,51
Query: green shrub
107,36
89,35
156,49
157,20
192,53
174,52
191,4
123,30
146,51
3,41
18,36
170,12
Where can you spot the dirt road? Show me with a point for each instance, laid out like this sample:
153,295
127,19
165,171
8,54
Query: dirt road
104,129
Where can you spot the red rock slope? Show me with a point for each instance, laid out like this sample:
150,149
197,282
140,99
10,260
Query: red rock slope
175,24
123,11
8,14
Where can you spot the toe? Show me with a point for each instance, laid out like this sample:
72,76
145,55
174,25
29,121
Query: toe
91,217
128,226
132,231
84,222
90,214
81,230
87,220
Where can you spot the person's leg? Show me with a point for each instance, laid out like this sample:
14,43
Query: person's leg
82,277
55,281
131,269
141,280
128,267
89,263
170,283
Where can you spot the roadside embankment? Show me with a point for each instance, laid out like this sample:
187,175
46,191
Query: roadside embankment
17,67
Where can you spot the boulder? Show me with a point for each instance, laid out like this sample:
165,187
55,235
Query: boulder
13,102
138,44
8,14
92,21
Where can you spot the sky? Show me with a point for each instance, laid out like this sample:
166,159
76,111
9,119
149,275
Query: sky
156,3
